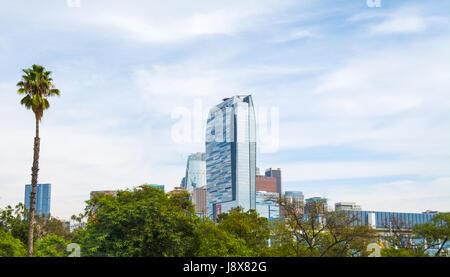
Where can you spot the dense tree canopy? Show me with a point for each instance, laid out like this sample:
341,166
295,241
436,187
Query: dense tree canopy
50,234
146,222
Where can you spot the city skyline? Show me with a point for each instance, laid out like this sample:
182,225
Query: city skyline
362,95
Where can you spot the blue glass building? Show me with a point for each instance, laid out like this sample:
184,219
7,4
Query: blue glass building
390,219
161,187
231,155
43,196
195,172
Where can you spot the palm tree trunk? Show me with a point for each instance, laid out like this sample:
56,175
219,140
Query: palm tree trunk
34,177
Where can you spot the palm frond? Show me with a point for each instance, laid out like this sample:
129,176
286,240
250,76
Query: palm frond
37,85
27,102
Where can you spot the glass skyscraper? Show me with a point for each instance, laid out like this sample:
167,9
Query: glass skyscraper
231,155
43,195
195,172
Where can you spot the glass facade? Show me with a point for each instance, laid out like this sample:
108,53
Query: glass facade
231,155
265,205
390,219
43,195
195,172
161,187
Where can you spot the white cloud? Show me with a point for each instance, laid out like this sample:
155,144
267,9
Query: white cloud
210,19
387,100
401,24
111,127
400,196
361,169
295,34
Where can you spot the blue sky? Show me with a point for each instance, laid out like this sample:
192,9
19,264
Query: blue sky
363,94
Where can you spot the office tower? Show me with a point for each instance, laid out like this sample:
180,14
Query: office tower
199,200
231,155
276,173
296,198
195,172
266,205
43,196
346,206
316,204
195,182
268,184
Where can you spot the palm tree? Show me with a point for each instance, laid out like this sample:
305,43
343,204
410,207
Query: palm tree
36,85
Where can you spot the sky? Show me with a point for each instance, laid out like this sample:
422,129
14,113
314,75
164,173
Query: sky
360,94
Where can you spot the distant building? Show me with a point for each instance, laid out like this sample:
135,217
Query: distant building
297,198
43,198
231,155
346,206
266,205
195,172
161,187
317,204
387,220
96,192
276,173
179,188
268,184
199,199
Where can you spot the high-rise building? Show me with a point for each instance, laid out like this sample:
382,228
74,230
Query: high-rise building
296,198
43,196
268,184
231,155
276,173
346,206
316,204
195,181
266,205
199,200
195,172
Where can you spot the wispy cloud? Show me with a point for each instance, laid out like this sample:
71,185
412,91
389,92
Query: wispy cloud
124,67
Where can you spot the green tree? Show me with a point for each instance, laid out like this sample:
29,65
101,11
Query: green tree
403,252
10,246
13,220
37,86
212,241
50,234
142,222
51,246
319,233
250,227
47,225
435,233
